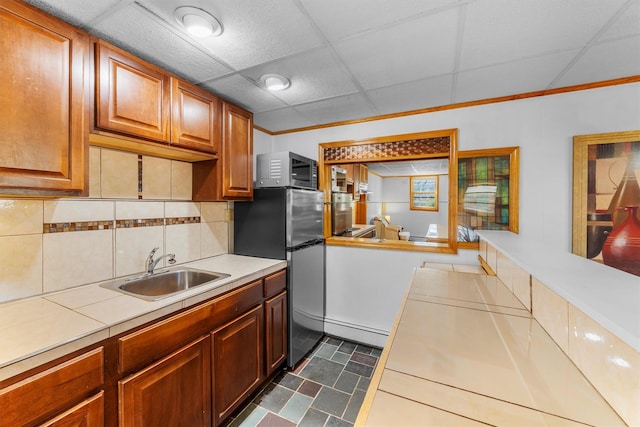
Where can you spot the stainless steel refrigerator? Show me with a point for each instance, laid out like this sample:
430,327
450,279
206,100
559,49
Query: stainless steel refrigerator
287,224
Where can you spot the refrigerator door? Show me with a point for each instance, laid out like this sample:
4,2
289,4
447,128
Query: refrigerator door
260,226
305,289
305,209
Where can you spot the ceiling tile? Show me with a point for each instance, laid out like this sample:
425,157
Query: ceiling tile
504,30
314,75
135,30
254,32
419,49
75,12
244,93
417,95
523,76
626,25
343,108
605,61
282,119
339,19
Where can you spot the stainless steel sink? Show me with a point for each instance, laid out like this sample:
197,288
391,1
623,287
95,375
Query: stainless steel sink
163,284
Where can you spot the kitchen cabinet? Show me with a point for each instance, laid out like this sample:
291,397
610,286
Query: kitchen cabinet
193,367
166,358
136,99
89,413
195,118
275,308
53,394
132,96
175,391
237,351
44,104
231,176
276,331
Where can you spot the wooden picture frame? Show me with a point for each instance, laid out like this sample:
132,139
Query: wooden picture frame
585,202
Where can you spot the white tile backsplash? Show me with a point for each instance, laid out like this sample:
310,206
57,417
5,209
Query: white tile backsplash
139,210
181,209
133,246
57,211
21,266
39,262
20,217
183,240
156,178
75,258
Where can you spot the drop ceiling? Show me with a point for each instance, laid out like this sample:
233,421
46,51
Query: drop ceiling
357,59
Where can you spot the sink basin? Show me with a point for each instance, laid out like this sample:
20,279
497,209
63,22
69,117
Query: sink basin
163,284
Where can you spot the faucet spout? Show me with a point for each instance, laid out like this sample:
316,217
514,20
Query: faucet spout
150,263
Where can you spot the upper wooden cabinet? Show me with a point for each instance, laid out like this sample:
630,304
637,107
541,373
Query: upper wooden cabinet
139,100
44,103
132,97
230,177
237,153
195,119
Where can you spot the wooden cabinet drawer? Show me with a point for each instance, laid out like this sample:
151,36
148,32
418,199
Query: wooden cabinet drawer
51,391
89,413
275,283
146,345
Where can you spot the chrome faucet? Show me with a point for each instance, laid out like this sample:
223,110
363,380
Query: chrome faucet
150,263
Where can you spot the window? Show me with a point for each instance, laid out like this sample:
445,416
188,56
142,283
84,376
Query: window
424,192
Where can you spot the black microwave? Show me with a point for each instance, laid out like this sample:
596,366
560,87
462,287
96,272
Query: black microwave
286,169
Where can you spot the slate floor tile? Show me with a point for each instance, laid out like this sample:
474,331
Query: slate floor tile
273,398
359,368
273,420
347,347
290,381
322,371
331,401
313,418
365,359
326,389
309,388
347,382
354,405
296,407
336,422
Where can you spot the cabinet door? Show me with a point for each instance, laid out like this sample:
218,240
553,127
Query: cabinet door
43,103
132,97
52,391
276,331
237,353
237,153
195,121
89,413
175,391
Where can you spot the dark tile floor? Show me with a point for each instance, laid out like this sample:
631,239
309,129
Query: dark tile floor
326,389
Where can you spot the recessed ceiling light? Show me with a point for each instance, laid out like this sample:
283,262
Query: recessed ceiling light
198,22
275,81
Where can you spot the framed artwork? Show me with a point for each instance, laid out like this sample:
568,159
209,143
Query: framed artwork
488,187
606,199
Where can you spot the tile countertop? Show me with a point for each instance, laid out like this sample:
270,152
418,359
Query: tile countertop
465,351
36,330
610,297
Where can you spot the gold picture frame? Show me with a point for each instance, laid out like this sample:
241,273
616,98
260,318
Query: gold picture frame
581,194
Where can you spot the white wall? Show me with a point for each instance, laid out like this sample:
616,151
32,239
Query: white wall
543,127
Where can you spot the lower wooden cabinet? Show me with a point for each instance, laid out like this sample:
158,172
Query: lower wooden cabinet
276,331
192,368
46,394
175,391
89,413
237,354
